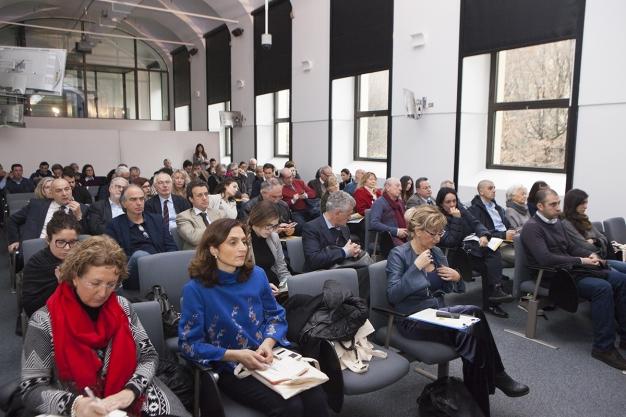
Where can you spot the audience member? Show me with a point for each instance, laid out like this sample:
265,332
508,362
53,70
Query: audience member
188,167
135,172
265,247
332,186
40,272
121,171
447,184
423,193
516,208
259,177
191,224
200,155
224,199
240,176
79,193
199,172
532,196
100,213
346,178
57,170
351,187
44,188
212,168
322,175
417,278
326,239
292,166
167,164
30,222
272,190
42,172
88,177
460,224
387,216
16,183
269,171
144,184
139,233
165,204
252,163
366,193
217,178
251,174
546,244
489,213
407,188
88,337
581,232
180,179
297,194
225,283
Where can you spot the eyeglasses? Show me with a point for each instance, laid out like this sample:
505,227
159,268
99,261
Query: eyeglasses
108,287
434,235
271,227
62,244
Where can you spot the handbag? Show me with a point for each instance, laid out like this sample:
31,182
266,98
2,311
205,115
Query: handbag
359,353
289,374
362,261
169,315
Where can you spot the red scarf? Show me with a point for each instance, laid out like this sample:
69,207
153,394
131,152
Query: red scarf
398,210
76,337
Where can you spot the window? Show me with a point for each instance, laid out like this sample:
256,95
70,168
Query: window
530,91
226,144
181,119
371,118
282,123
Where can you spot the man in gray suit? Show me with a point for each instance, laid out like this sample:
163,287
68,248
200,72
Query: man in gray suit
423,194
191,223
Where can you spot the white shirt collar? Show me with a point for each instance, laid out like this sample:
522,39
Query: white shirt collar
545,219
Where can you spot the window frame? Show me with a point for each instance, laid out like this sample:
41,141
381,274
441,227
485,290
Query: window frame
277,121
358,114
494,106
228,135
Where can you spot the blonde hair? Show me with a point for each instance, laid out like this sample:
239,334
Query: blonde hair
366,177
424,217
95,251
39,189
331,182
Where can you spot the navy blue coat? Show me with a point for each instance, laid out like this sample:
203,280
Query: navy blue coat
153,205
320,249
159,234
27,223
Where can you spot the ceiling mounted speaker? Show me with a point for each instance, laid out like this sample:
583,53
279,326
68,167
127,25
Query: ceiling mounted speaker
237,32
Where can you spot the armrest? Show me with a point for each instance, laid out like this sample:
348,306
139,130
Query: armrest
207,400
541,268
390,312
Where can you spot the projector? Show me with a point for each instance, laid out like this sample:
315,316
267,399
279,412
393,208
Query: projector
84,46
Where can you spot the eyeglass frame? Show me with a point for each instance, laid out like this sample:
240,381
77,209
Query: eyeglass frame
66,243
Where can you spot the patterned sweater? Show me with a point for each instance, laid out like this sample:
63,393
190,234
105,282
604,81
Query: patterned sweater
230,315
43,393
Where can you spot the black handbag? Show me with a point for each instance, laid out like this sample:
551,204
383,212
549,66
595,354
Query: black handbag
447,397
169,315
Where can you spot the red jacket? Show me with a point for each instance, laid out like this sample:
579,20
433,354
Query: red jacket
364,199
297,187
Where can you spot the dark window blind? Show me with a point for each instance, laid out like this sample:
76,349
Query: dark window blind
182,77
218,65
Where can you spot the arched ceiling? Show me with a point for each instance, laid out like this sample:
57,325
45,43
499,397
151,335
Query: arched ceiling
104,17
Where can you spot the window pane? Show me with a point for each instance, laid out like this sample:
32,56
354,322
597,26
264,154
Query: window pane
118,52
156,105
540,72
282,104
143,90
531,138
131,112
73,92
110,96
148,58
373,89
373,137
282,139
181,115
92,109
164,94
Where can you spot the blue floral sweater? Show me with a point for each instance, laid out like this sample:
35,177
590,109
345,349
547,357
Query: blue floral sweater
230,315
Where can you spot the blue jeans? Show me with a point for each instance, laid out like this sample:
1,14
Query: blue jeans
618,266
608,305
132,283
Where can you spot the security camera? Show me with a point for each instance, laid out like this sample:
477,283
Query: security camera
266,40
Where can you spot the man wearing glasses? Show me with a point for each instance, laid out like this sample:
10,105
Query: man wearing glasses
139,233
387,217
102,212
192,223
165,204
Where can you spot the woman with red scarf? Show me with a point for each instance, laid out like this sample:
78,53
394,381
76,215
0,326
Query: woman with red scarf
88,339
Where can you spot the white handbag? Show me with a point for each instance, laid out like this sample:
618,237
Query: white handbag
289,374
357,357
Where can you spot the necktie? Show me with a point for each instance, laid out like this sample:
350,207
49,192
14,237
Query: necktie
63,209
339,239
166,213
204,219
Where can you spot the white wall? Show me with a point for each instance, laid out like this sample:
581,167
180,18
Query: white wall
103,148
70,123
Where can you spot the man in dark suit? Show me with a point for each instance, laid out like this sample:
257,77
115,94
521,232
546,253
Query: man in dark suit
269,171
42,172
318,183
165,204
139,233
30,222
16,182
326,239
79,192
102,212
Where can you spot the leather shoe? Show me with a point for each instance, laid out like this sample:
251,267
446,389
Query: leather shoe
509,386
497,311
499,296
611,357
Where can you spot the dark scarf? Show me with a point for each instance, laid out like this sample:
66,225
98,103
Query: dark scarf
398,210
521,209
76,337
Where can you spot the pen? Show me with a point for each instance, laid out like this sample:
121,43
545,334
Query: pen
89,393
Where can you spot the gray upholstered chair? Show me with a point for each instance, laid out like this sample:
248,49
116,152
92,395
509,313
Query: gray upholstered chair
599,226
382,316
31,247
381,372
295,251
615,229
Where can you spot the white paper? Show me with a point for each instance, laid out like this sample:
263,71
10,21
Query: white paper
494,243
429,316
471,237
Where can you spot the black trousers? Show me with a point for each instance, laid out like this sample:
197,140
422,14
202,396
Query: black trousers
478,350
253,394
490,267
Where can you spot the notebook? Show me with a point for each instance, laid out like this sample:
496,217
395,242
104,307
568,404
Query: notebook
428,315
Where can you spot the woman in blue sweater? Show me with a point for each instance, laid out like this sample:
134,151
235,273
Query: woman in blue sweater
229,316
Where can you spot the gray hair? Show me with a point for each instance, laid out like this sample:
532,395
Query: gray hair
162,174
121,170
341,201
233,166
123,181
512,190
125,191
269,184
482,184
389,181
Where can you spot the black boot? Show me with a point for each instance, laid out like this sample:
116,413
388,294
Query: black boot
509,386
